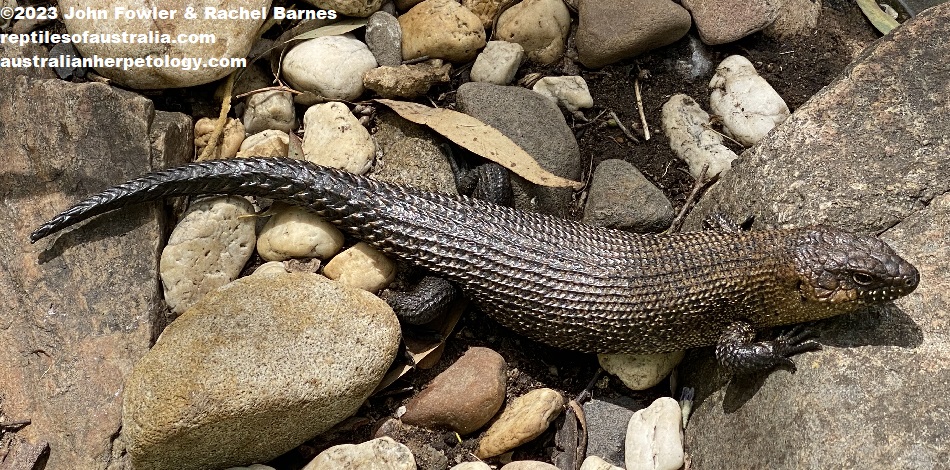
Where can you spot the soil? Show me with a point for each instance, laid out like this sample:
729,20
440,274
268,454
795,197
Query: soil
796,68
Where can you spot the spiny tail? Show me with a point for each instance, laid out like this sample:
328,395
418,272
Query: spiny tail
276,178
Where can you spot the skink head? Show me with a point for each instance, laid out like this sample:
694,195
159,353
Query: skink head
850,269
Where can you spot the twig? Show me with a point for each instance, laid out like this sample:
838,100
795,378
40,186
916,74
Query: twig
415,61
624,128
701,183
280,87
724,136
643,116
222,120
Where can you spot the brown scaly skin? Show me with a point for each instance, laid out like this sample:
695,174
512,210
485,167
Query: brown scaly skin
567,284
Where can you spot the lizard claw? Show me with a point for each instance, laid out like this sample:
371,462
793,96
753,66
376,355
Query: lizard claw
738,353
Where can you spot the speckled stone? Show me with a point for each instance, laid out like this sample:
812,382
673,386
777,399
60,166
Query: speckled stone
255,369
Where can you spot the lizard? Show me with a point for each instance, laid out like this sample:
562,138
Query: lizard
566,284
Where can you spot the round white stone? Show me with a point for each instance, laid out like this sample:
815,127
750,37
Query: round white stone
331,67
748,106
295,232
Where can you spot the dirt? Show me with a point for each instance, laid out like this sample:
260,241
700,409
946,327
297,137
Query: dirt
796,68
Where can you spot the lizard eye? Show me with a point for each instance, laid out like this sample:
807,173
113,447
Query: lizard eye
862,279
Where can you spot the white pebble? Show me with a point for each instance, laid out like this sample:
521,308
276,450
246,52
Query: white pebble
594,462
748,106
270,267
207,249
295,232
361,266
231,137
655,437
471,466
271,109
334,137
498,63
382,453
693,139
329,66
269,143
640,371
570,93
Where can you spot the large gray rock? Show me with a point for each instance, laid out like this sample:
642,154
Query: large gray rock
537,125
254,369
868,153
81,308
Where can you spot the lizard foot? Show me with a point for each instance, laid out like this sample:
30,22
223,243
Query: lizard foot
738,353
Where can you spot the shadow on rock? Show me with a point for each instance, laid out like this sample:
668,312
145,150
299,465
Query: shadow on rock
95,230
883,325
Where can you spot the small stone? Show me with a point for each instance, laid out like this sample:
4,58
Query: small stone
383,453
290,356
528,465
498,63
655,437
295,232
608,32
254,77
331,67
795,18
540,26
640,371
269,268
271,109
384,39
207,249
723,21
334,137
693,139
359,8
607,421
407,81
414,161
471,466
620,197
441,29
484,9
363,267
526,418
594,462
231,137
269,143
570,93
464,397
256,466
748,106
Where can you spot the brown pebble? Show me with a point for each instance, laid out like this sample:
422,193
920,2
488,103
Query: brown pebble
464,397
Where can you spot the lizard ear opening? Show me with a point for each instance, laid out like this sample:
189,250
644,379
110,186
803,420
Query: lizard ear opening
800,287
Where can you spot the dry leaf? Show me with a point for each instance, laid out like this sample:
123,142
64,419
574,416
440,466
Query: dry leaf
481,139
425,354
335,29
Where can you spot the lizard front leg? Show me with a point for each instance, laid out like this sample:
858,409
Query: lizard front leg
738,352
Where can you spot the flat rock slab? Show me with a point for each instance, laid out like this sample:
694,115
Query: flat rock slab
869,152
80,310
